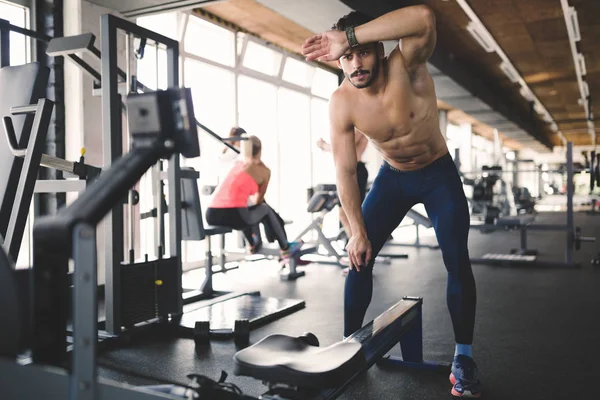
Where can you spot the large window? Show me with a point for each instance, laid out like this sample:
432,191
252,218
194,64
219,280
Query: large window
240,80
213,93
293,110
262,59
19,45
257,111
210,41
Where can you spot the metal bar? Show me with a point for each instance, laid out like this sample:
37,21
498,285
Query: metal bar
57,163
130,219
112,149
4,44
5,25
570,217
210,132
20,110
174,172
28,178
85,313
70,44
552,171
11,138
60,186
86,67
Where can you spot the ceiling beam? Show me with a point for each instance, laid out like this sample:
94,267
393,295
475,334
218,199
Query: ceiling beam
480,86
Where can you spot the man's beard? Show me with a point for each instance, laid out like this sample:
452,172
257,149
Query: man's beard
372,76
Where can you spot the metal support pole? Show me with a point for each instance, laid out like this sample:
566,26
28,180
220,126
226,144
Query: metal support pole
4,45
112,149
523,240
85,313
540,182
516,182
174,173
570,216
418,241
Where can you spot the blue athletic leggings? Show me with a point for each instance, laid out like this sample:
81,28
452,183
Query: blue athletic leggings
438,186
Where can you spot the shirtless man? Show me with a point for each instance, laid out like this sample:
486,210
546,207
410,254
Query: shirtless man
362,175
392,101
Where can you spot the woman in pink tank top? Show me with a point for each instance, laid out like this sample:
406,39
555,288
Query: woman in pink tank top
239,201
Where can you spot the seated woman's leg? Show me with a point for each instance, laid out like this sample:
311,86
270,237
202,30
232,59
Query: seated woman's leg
269,218
269,232
229,217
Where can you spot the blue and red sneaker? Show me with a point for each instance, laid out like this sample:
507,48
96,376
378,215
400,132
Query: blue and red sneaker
464,378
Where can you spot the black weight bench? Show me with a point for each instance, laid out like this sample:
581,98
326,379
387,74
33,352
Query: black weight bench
294,369
193,228
292,361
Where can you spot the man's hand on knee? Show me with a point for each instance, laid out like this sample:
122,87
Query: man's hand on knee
359,251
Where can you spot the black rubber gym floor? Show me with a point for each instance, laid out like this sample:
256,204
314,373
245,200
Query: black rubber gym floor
536,335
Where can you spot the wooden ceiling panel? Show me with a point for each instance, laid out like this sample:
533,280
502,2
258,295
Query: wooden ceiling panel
526,63
538,10
496,8
558,49
262,21
578,139
568,90
521,45
545,76
548,30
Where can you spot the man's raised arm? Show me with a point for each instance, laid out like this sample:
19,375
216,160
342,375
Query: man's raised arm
414,25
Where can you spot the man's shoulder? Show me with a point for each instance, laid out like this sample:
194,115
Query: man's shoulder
341,100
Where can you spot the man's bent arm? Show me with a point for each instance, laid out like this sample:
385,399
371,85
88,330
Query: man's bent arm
415,25
396,25
344,155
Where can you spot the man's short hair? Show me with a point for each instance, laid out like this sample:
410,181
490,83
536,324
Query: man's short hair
236,131
353,19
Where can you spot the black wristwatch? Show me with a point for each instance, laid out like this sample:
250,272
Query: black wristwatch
351,37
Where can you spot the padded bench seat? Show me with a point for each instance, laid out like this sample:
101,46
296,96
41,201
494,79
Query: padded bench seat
290,360
211,230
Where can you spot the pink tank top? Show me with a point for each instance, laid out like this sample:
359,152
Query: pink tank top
235,190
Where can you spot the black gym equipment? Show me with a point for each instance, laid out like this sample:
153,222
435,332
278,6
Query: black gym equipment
297,368
323,199
22,153
27,85
220,318
161,126
525,256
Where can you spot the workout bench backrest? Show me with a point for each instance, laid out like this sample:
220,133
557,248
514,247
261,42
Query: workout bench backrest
19,86
192,224
322,201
